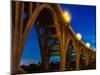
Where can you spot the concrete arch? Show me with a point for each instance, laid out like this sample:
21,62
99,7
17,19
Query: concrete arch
73,44
86,55
90,55
35,15
31,21
83,52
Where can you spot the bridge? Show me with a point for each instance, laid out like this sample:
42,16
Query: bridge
55,35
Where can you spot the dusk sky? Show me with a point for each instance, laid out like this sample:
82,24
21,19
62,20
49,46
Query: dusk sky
83,21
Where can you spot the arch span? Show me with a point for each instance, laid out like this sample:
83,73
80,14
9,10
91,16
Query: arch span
31,21
82,59
35,15
71,40
70,55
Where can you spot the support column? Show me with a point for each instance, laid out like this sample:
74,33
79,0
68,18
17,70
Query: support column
30,9
15,42
43,51
66,44
87,59
46,51
45,60
21,23
63,49
46,65
77,63
77,58
19,37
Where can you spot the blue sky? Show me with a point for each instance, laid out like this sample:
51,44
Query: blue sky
83,21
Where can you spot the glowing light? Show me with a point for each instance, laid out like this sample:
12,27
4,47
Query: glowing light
67,16
88,44
78,35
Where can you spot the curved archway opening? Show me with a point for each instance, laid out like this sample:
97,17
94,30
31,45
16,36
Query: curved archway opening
45,30
82,60
70,57
31,56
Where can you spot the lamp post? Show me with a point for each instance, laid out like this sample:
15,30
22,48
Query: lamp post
88,44
67,16
78,35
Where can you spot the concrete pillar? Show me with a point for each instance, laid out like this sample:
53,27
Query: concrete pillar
15,42
77,62
46,51
77,58
66,44
45,60
63,50
21,23
87,59
30,9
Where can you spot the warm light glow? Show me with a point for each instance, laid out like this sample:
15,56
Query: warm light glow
67,16
88,44
78,35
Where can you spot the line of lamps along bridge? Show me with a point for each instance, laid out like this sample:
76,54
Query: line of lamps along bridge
68,18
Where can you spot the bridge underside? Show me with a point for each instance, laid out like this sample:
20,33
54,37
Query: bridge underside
55,36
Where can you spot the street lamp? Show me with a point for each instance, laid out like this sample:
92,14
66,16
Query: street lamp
78,35
88,44
67,16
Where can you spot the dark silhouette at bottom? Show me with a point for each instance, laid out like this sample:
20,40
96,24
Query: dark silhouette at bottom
53,67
